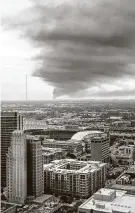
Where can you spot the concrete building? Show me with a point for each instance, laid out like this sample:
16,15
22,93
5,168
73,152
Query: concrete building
51,154
123,154
71,146
10,121
109,201
100,148
35,174
126,181
17,168
74,178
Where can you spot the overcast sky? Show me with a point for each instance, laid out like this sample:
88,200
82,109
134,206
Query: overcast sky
80,48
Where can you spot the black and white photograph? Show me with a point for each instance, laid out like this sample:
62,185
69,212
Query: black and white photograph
67,103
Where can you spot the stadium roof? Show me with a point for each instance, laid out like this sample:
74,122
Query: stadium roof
82,135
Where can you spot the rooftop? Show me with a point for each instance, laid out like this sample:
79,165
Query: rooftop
42,198
120,201
6,206
83,167
83,134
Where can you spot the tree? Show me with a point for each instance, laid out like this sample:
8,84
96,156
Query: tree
70,155
41,138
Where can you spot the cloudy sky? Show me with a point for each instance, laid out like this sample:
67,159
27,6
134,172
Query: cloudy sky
80,48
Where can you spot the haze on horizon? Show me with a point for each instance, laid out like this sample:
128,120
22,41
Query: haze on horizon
78,48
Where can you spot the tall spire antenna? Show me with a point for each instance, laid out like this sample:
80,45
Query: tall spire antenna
26,88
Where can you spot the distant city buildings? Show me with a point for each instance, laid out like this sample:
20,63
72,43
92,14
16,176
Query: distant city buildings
34,124
35,174
108,201
17,168
74,178
10,121
70,146
51,154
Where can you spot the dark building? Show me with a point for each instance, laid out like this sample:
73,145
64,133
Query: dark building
10,121
35,173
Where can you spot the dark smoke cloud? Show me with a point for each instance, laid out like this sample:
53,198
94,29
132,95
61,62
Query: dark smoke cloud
82,44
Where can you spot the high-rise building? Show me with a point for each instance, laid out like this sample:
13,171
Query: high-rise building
35,173
100,148
10,121
17,168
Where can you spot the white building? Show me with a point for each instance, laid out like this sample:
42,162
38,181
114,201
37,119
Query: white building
109,201
34,124
74,178
17,168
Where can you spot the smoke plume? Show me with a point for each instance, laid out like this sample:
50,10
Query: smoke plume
83,44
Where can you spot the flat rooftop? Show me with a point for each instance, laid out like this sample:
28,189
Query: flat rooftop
60,166
7,206
122,202
42,198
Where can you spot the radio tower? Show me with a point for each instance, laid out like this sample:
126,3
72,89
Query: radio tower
26,88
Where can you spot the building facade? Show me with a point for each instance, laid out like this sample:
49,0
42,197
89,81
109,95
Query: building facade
17,168
74,178
35,174
100,148
10,121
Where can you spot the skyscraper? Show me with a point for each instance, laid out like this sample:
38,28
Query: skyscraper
10,121
35,173
17,168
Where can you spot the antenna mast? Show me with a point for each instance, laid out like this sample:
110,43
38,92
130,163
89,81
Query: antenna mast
26,88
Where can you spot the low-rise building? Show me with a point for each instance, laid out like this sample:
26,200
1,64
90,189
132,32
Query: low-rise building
126,181
7,207
51,154
71,146
84,157
109,201
74,178
123,154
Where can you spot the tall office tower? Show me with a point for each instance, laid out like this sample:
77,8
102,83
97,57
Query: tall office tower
10,121
17,168
35,173
100,148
